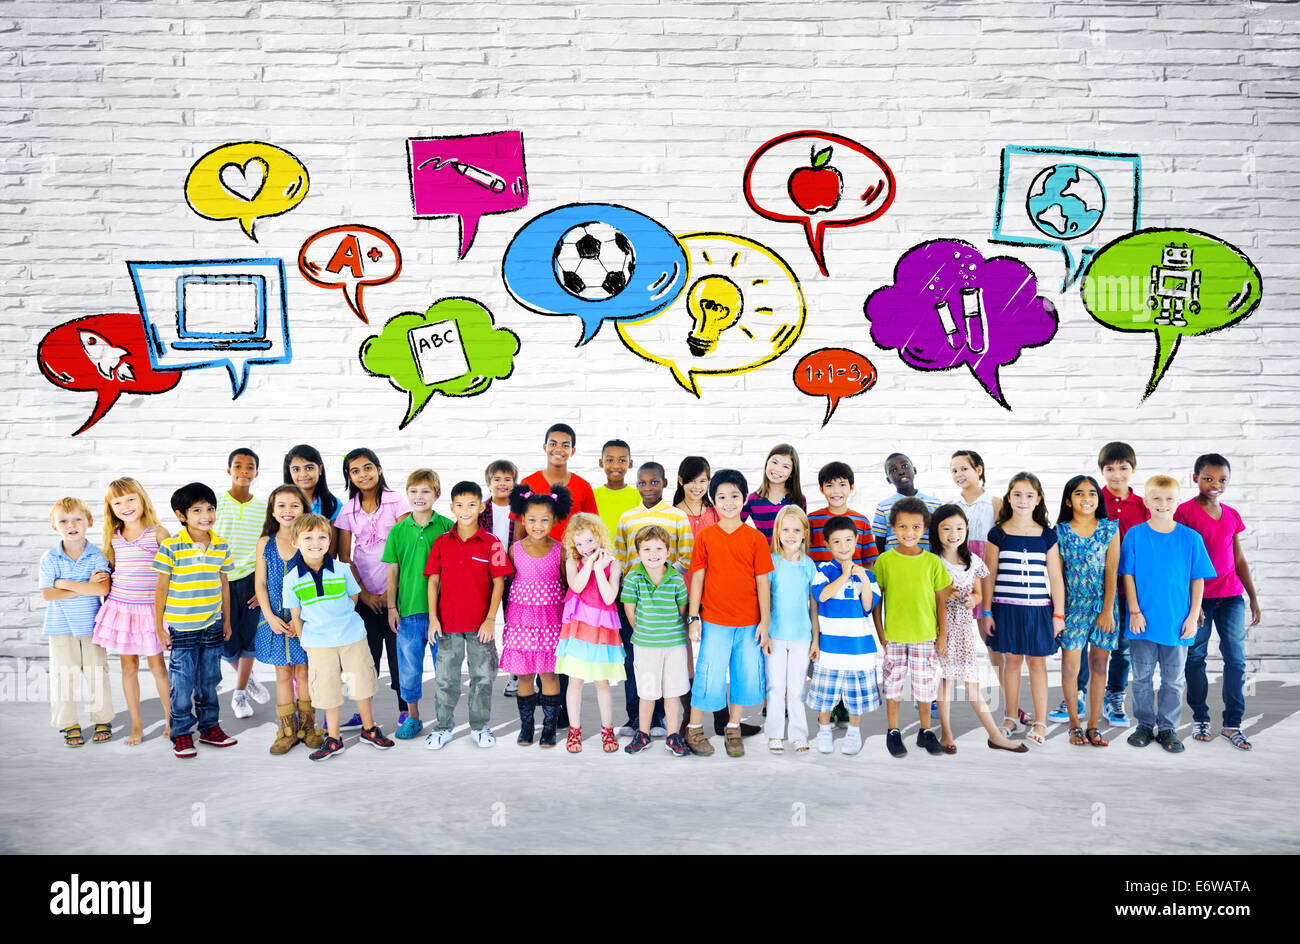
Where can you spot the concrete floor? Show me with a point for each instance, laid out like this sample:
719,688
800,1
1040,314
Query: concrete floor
507,799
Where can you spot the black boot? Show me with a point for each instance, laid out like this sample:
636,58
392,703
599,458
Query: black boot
550,715
527,712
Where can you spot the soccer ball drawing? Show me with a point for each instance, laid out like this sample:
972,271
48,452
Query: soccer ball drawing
594,261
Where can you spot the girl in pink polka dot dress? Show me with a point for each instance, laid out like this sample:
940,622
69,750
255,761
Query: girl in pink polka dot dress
534,607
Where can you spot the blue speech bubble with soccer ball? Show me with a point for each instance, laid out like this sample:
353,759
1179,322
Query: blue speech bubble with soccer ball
598,261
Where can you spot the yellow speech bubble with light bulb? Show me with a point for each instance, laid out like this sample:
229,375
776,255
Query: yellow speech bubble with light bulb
742,308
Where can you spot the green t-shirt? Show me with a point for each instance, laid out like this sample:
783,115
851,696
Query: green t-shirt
909,585
408,547
658,609
611,505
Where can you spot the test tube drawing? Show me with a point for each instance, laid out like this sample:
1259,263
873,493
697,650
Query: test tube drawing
949,324
972,309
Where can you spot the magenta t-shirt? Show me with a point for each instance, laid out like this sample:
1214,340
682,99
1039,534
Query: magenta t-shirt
369,532
1217,536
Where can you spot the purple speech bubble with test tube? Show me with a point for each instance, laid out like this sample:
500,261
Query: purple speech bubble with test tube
467,176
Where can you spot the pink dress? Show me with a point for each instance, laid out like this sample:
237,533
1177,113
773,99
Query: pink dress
533,612
125,623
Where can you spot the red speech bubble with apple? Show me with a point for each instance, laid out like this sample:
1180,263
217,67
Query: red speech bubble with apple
834,373
820,181
108,354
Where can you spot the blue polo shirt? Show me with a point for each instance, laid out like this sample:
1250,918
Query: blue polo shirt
324,597
74,616
1163,567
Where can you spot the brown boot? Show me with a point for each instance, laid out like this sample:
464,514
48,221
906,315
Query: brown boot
735,746
287,736
698,743
308,733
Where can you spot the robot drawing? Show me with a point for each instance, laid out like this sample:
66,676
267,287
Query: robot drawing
1175,286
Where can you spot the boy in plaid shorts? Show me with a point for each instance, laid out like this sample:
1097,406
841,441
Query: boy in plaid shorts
914,583
844,648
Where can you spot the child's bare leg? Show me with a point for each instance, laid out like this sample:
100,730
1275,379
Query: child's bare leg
1069,683
672,714
245,669
891,714
284,684
945,712
1038,685
605,701
645,710
1011,682
527,685
923,712
158,668
735,713
550,683
332,722
1097,660
823,717
573,700
131,691
413,709
984,714
367,717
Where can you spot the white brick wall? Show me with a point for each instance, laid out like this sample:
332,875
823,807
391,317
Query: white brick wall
658,106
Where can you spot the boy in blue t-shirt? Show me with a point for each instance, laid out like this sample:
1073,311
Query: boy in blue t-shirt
1164,566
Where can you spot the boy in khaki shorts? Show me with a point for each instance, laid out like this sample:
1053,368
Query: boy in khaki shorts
654,597
320,595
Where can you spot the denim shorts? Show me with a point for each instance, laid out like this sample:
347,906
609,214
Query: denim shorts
728,651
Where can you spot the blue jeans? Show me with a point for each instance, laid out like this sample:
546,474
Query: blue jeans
728,650
632,701
412,634
193,672
1164,715
1118,668
1228,615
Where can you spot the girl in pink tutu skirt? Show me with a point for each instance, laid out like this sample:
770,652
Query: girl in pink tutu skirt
125,622
534,608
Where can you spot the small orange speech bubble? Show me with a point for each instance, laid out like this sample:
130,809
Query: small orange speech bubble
349,258
834,373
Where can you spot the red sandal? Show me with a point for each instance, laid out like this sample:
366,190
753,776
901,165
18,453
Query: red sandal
573,744
608,741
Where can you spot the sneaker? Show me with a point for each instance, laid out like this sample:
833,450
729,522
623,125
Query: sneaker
375,738
257,691
215,737
352,724
629,729
825,739
1141,736
401,717
894,743
437,739
735,745
639,743
1060,714
852,742
800,746
331,747
512,686
658,730
697,742
239,702
927,740
776,745
1169,741
934,709
1115,710
408,729
677,745
183,746
483,737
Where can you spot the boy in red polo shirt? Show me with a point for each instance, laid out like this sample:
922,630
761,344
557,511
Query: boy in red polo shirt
474,565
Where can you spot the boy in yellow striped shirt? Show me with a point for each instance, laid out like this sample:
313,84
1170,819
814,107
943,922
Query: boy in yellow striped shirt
192,616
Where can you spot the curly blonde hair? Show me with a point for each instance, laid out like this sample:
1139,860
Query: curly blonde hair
584,521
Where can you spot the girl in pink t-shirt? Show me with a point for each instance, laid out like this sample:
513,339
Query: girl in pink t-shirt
363,524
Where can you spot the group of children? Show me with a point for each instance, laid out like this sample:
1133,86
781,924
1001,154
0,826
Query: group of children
694,610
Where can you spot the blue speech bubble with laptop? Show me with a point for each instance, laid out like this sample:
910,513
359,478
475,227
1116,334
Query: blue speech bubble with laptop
1068,199
229,313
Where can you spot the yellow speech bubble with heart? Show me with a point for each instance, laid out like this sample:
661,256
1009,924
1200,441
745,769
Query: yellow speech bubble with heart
245,181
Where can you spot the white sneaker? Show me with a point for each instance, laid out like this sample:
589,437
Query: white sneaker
437,739
658,731
826,739
626,731
775,745
852,742
239,701
800,746
512,686
257,691
483,737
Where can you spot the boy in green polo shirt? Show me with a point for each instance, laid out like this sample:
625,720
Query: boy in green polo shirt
405,552
240,516
654,600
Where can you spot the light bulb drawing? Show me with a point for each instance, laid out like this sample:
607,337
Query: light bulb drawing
715,304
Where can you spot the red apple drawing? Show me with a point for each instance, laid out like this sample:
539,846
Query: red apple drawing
817,187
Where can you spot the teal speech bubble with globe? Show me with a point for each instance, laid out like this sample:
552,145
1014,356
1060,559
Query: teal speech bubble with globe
1172,282
1071,200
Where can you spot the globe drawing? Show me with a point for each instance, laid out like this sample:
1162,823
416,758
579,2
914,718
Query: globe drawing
1065,201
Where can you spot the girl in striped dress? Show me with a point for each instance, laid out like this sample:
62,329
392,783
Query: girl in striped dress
780,486
125,622
1028,593
275,642
590,646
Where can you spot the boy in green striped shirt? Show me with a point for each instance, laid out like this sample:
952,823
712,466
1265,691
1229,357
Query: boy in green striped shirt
240,517
654,598
193,594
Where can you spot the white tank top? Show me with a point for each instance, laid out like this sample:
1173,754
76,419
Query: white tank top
979,515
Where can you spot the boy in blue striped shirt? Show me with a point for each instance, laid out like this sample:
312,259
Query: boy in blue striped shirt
844,644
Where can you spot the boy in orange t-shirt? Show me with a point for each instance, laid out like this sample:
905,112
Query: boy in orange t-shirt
728,614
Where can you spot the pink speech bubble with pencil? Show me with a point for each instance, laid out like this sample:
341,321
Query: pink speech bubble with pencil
468,176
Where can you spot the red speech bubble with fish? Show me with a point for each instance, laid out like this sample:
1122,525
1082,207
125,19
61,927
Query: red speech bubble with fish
107,354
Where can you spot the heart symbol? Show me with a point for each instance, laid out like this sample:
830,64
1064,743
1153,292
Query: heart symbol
245,181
